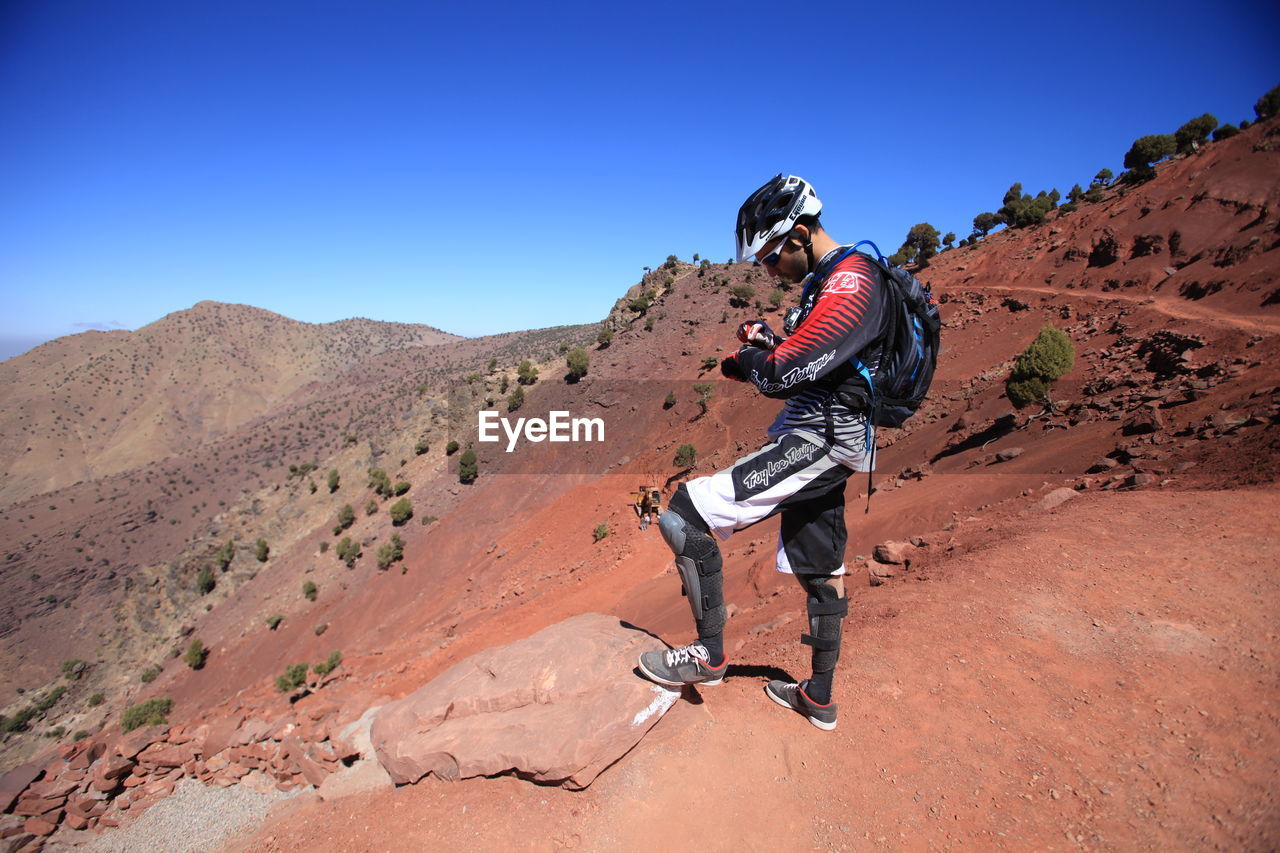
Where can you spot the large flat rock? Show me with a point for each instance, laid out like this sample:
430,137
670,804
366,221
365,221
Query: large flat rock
559,706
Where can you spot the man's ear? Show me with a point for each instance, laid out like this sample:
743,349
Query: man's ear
800,233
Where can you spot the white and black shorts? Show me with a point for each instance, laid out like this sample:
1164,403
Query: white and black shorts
794,476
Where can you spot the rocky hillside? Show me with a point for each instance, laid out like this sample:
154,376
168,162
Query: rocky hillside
1167,291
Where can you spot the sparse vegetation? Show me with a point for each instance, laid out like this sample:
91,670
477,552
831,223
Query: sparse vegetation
329,665
153,712
334,480
686,456
601,531
371,507
468,468
605,337
346,518
515,399
526,374
274,620
451,448
149,674
1194,133
401,511
421,447
704,391
295,675
670,400
310,590
96,699
1048,357
195,654
1145,152
578,362
348,551
19,722
380,482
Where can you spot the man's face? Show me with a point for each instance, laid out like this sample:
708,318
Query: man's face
782,259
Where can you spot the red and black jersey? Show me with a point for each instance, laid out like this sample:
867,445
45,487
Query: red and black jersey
847,307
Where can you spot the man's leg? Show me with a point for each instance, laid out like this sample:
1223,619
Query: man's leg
811,544
699,563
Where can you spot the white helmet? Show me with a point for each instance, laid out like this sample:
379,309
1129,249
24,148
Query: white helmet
772,211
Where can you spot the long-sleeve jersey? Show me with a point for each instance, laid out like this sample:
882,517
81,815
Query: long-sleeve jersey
815,369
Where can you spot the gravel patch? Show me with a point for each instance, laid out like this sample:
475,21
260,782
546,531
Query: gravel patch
193,819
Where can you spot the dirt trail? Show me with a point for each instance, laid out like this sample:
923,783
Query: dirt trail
1173,306
1103,676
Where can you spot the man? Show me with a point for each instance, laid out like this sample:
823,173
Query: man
825,372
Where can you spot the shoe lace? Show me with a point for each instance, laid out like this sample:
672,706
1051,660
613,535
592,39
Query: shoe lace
685,653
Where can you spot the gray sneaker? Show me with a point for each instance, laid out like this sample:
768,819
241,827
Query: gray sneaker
791,695
685,665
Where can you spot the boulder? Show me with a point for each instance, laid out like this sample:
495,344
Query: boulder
1056,498
559,706
15,782
893,553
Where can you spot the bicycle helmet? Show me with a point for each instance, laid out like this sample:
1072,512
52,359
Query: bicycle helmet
772,211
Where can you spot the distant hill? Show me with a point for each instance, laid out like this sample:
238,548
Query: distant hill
97,403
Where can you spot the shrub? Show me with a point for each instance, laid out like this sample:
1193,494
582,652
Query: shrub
451,448
526,373
346,517
605,337
401,511
400,488
601,531
515,399
704,391
295,675
1145,152
741,294
1225,132
309,591
321,628
149,674
348,551
468,467
205,581
686,456
578,362
333,480
391,552
710,362
371,507
1268,105
274,620
96,699
196,654
1047,357
262,550
69,667
670,400
225,555
329,665
153,712
379,482
921,243
984,222
1194,133
421,447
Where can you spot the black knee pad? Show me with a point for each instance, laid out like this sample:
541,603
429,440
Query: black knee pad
698,561
826,611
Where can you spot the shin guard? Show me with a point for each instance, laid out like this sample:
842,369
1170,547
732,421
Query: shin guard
826,610
698,561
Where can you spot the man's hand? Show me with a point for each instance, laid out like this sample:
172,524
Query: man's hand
732,368
758,334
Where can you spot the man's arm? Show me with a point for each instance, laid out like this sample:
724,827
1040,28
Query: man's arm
848,315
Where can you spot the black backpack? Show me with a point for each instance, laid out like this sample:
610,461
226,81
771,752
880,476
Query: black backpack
910,345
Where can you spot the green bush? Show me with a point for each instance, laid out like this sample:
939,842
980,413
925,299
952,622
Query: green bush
421,447
196,654
274,620
348,551
333,480
153,712
1194,133
1147,151
605,337
400,488
401,511
686,456
1225,132
704,391
468,467
295,675
390,552
742,293
710,362
205,581
670,400
262,551
149,674
984,222
601,531
329,665
515,399
310,590
96,699
578,361
921,243
371,507
225,555
526,374
380,482
1045,359
346,517
1268,105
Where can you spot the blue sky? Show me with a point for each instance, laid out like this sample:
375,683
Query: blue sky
490,167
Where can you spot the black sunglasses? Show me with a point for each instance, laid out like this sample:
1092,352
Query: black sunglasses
771,259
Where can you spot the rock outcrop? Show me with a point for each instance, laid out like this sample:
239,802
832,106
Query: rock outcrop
559,706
